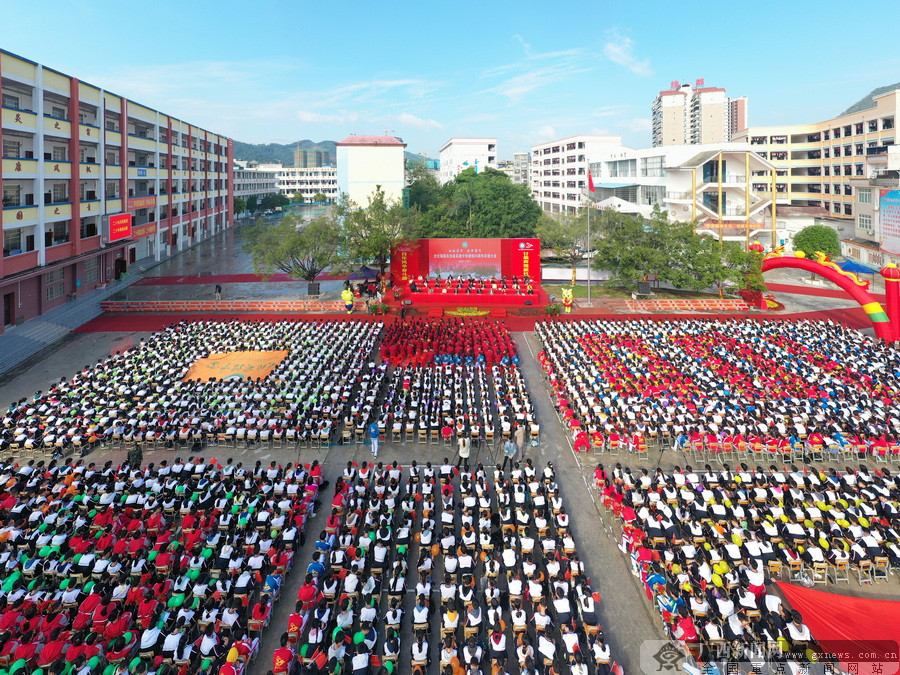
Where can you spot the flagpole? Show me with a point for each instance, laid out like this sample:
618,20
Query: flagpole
589,254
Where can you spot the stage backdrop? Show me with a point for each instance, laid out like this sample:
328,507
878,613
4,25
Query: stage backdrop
462,257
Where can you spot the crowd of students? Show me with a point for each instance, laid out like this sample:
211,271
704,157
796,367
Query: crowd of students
707,543
159,569
496,576
141,395
447,341
776,384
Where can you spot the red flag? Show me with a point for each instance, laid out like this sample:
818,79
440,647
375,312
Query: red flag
590,182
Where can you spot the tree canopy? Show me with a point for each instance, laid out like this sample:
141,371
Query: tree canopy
302,251
567,235
631,249
484,204
320,198
817,238
370,233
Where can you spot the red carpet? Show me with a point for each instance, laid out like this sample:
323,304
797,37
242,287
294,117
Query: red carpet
226,279
814,291
453,300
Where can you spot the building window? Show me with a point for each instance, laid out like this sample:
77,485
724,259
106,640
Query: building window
11,148
860,170
837,132
12,195
58,235
887,123
57,112
848,209
59,193
827,152
859,148
12,242
859,127
873,125
848,130
55,284
88,229
864,196
91,272
864,221
10,101
848,190
826,135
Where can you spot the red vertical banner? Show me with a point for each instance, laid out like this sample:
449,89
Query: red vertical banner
405,262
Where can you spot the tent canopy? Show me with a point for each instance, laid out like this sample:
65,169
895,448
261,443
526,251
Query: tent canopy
852,627
855,267
363,273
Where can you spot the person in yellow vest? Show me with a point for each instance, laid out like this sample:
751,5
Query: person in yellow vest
347,297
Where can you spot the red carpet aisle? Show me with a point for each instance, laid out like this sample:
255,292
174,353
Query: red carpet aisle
225,279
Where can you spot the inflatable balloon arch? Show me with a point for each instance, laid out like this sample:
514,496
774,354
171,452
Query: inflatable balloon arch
886,323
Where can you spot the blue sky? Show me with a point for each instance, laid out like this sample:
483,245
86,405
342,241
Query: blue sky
526,72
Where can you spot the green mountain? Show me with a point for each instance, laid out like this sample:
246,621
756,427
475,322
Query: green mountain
266,153
868,101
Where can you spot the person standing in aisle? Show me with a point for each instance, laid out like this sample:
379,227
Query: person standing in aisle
218,291
520,441
465,447
374,433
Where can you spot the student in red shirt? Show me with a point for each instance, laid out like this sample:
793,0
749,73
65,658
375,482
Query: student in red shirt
283,658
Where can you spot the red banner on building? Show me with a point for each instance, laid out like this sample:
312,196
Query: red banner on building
119,227
135,203
143,231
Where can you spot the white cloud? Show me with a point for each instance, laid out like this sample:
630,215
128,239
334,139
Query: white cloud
620,49
545,133
525,45
410,120
638,124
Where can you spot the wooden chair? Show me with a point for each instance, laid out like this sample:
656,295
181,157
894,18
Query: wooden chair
881,568
863,571
840,571
819,573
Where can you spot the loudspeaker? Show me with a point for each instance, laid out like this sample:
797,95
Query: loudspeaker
528,303
643,288
407,302
312,288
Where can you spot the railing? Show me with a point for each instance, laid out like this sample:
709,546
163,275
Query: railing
223,306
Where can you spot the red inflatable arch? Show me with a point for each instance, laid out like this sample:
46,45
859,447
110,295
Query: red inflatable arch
886,323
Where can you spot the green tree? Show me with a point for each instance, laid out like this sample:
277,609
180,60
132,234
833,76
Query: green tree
424,189
274,201
300,251
817,238
297,197
240,205
252,204
567,235
723,264
371,233
625,249
320,198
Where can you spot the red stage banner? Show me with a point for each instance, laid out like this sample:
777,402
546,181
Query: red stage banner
464,257
467,257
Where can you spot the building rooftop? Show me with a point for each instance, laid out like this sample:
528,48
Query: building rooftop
372,140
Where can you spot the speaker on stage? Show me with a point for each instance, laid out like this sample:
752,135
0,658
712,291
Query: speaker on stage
407,302
528,303
312,288
643,288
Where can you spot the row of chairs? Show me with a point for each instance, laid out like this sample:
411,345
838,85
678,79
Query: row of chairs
866,571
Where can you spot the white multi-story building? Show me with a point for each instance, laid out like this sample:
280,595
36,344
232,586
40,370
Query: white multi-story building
365,163
307,181
459,154
559,170
254,182
696,115
521,166
711,184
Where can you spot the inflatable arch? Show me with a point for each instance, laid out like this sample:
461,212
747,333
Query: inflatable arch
886,323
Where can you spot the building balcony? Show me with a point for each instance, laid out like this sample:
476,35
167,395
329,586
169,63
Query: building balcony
89,132
57,127
19,262
57,211
113,171
113,138
19,168
20,215
22,120
113,205
144,172
91,207
90,170
59,251
56,169
139,142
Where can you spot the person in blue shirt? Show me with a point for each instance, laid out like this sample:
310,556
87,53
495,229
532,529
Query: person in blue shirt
373,434
316,567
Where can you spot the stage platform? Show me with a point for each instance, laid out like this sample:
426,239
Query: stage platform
484,301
